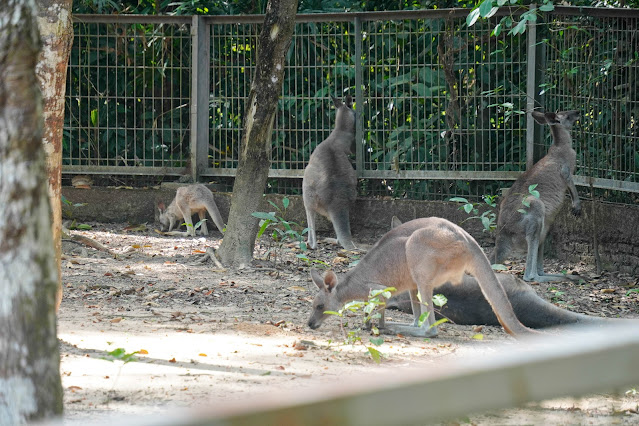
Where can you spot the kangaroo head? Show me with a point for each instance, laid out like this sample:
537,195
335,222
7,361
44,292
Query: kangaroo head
326,298
163,217
345,117
563,118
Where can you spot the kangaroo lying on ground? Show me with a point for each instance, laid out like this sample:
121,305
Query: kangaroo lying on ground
552,174
330,184
418,255
188,200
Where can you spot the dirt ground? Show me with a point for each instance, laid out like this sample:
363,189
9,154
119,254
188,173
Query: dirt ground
205,336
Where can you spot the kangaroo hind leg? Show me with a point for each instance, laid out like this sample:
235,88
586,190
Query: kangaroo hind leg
341,224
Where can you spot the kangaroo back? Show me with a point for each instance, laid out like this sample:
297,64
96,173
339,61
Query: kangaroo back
188,200
329,184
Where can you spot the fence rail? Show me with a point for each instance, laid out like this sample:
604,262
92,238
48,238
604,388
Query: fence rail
435,99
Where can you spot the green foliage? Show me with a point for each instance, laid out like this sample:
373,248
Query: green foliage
488,217
68,207
367,311
120,354
281,230
525,200
516,24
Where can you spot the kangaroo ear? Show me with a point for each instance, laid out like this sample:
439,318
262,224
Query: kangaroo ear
317,279
539,117
395,222
551,118
330,280
349,101
336,102
161,206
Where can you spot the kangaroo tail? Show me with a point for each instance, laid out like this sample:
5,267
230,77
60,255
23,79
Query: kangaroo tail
494,292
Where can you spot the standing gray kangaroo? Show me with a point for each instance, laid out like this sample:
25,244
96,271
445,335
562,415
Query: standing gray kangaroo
553,175
329,186
188,200
417,255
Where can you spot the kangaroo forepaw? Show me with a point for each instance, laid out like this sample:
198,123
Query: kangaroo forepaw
576,211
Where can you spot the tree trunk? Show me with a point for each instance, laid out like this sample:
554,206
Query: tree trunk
254,162
30,387
56,32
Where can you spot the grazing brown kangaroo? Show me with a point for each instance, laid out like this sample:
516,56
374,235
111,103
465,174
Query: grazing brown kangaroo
517,231
418,255
195,198
329,186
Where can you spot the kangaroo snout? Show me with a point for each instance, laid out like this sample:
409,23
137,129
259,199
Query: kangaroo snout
313,325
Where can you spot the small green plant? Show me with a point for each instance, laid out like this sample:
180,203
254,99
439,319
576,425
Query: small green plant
121,355
196,226
556,295
524,200
68,209
488,218
281,230
370,309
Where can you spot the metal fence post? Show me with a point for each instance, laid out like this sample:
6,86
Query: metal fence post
200,89
531,88
359,123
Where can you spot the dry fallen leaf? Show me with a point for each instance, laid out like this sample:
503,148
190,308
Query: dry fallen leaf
74,388
143,352
172,360
116,320
202,354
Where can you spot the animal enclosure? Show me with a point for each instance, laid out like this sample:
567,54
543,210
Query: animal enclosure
440,106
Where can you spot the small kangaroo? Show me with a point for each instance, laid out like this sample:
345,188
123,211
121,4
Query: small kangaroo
329,184
552,174
188,200
417,255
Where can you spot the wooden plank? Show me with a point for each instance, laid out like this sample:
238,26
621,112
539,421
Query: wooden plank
571,362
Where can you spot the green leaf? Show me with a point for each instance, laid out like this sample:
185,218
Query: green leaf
438,322
439,300
94,117
265,216
472,17
485,9
422,318
468,208
375,354
84,226
478,336
498,267
285,202
519,28
547,7
459,200
339,314
522,211
263,228
377,341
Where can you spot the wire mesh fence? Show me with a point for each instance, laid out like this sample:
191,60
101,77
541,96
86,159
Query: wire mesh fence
441,107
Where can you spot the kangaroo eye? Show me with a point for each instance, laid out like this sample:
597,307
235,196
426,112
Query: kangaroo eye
320,307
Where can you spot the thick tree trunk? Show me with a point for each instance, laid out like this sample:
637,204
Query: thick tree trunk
252,173
56,32
30,387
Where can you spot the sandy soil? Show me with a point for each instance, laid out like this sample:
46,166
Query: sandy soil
204,337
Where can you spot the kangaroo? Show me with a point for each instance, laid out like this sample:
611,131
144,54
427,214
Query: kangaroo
329,184
467,306
188,200
417,255
552,174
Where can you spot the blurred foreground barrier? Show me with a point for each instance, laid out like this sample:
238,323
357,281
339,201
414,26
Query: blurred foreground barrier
570,362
